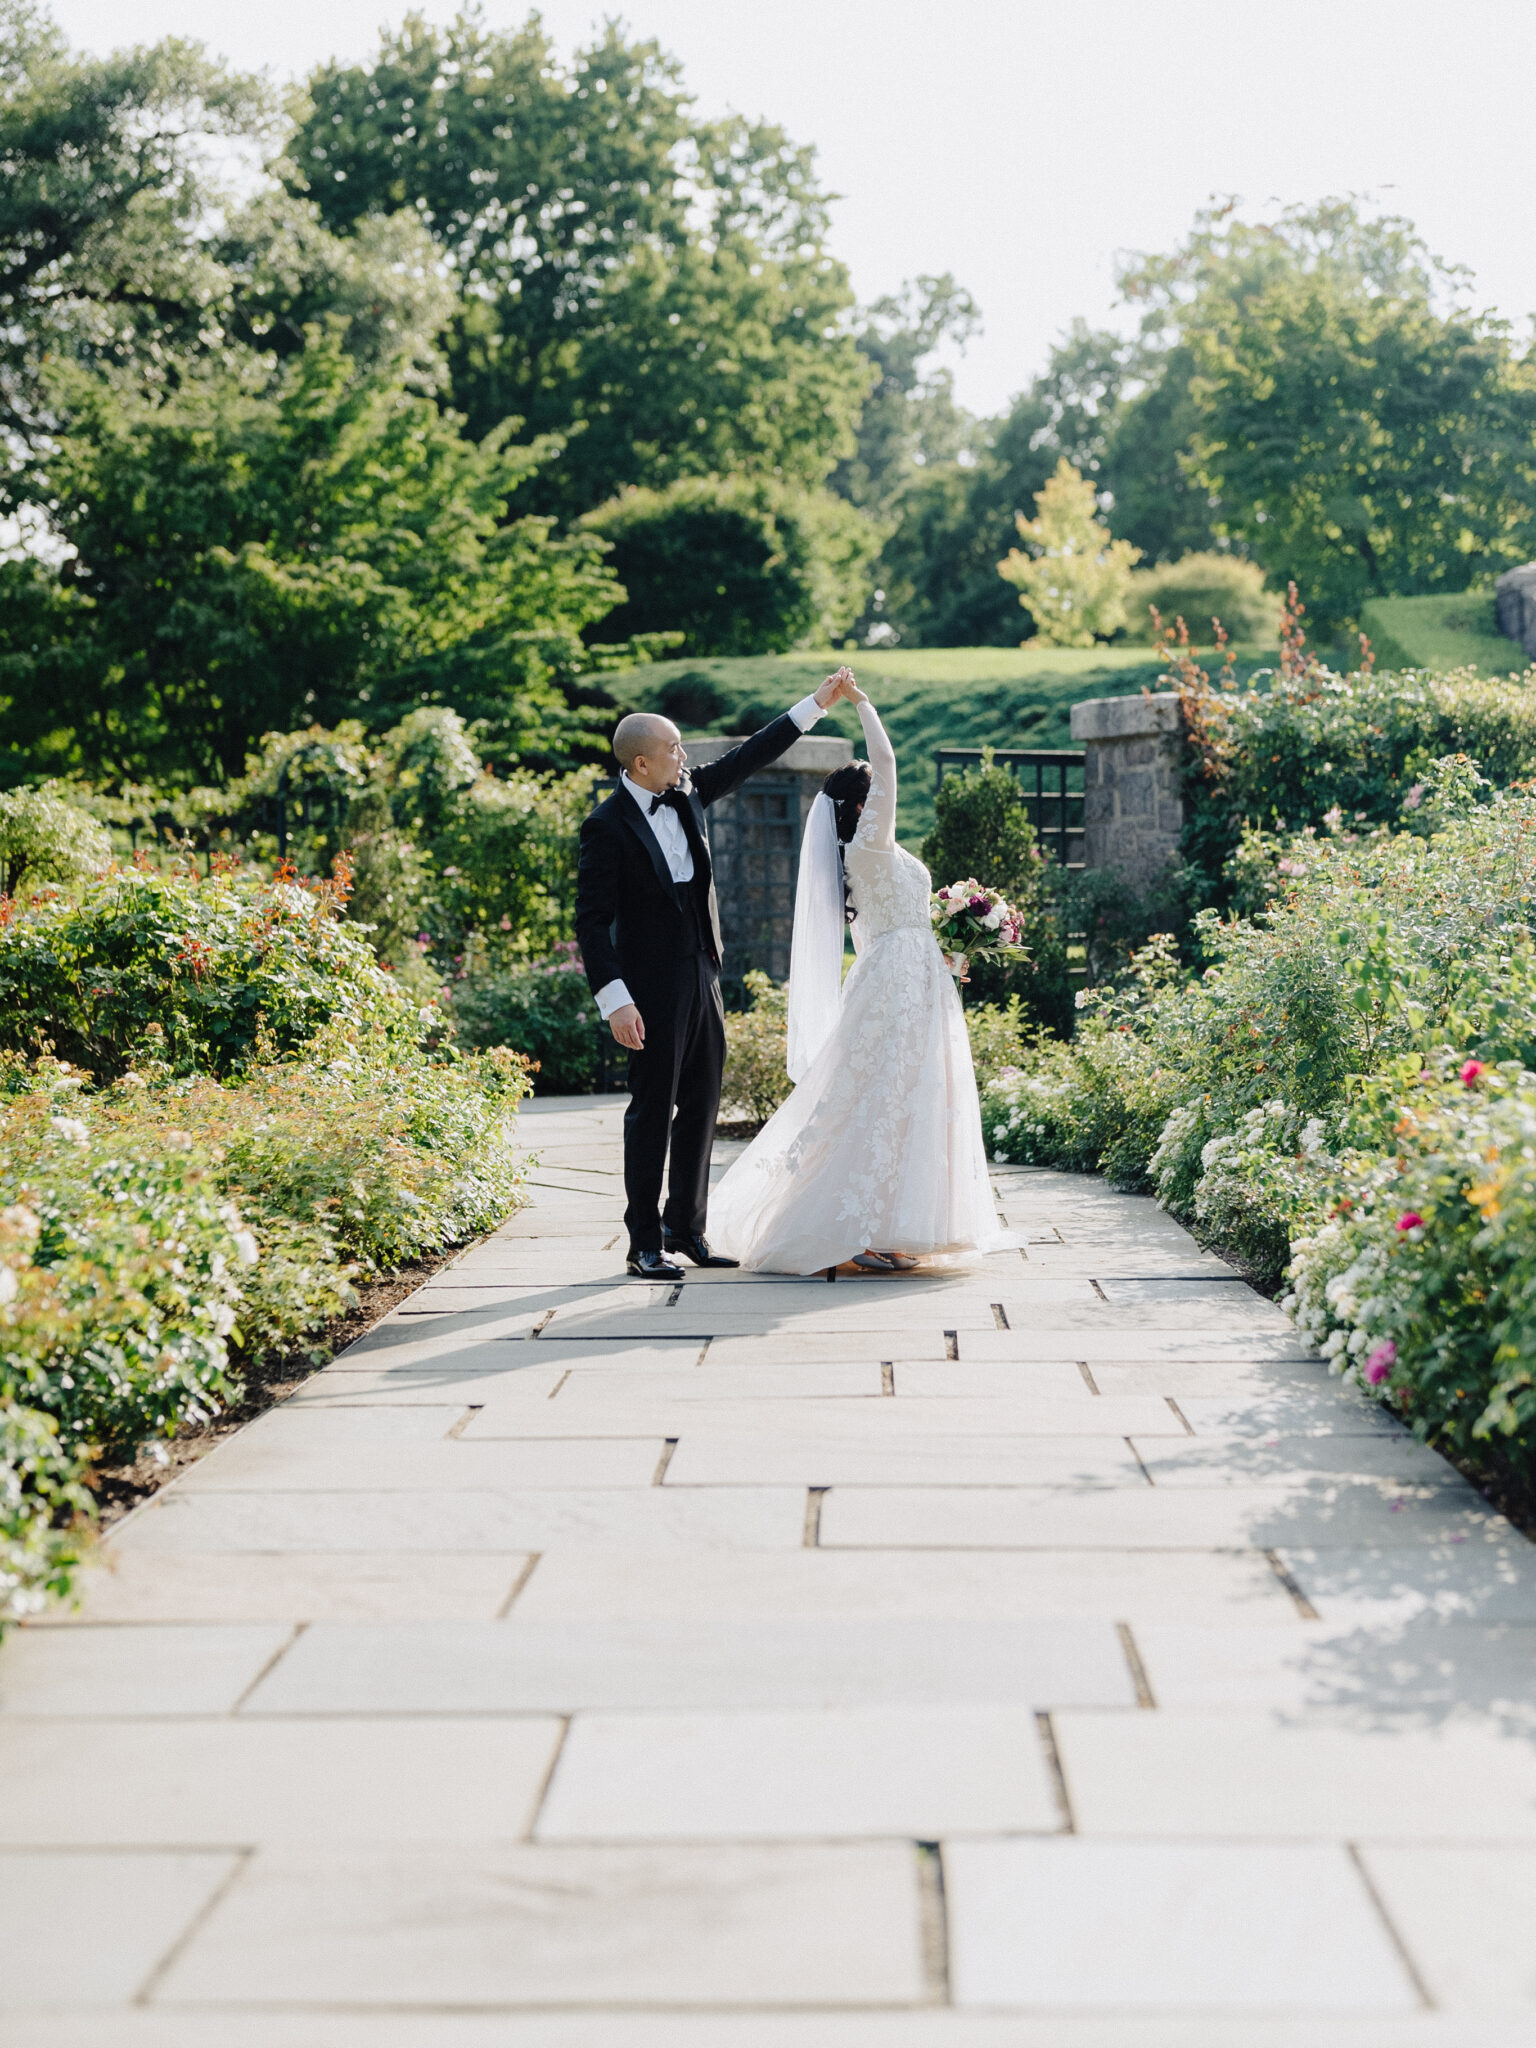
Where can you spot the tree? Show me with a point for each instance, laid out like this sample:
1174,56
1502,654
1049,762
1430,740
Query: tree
1361,432
102,191
910,420
1076,581
266,543
654,286
737,565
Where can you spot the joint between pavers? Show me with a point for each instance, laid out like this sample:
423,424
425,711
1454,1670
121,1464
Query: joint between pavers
1292,1585
1088,1379
669,1445
178,1948
518,1584
1058,1777
1138,1670
887,1376
537,1813
933,1909
470,1412
952,1345
811,1535
1421,1990
1000,1316
271,1664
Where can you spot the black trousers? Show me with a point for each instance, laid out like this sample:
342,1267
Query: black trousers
674,1094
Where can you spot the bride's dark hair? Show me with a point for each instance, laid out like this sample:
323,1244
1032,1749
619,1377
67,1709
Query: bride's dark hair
848,787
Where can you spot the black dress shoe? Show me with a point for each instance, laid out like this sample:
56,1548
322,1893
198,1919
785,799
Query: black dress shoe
651,1266
695,1248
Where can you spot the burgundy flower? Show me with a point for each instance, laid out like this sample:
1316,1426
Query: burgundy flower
1410,1220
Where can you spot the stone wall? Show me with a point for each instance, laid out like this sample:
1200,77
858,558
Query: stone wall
1133,810
1515,601
754,841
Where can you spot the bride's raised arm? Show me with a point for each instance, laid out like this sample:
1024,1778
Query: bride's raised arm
877,827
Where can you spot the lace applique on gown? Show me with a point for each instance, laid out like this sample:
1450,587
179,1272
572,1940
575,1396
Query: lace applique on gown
880,1145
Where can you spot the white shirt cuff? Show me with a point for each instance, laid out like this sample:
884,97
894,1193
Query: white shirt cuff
612,996
806,712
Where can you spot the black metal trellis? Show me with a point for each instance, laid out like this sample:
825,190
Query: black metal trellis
1051,781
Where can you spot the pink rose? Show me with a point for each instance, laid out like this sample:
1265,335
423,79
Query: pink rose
1381,1362
1410,1220
1470,1072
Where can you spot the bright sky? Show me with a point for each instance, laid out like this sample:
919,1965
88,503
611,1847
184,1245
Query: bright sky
1024,144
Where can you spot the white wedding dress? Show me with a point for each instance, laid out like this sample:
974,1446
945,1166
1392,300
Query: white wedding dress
880,1145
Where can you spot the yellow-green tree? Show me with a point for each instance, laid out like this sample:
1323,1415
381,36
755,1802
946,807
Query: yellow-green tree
1075,579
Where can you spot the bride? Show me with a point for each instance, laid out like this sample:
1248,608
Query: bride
878,1154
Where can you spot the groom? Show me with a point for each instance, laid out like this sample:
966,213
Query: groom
648,926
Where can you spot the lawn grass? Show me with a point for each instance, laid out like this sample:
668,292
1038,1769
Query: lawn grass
1458,631
927,698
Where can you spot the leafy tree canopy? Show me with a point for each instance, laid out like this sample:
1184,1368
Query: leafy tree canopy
655,285
1361,431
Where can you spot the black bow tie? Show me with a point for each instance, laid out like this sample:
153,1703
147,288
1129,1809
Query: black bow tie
672,799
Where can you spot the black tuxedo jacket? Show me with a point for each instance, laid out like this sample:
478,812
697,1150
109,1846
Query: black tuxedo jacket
631,923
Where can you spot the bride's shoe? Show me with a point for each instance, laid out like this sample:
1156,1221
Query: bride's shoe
884,1262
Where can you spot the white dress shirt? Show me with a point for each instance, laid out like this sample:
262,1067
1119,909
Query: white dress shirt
666,827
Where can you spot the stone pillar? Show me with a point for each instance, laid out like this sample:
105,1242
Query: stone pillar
1133,809
1514,596
754,843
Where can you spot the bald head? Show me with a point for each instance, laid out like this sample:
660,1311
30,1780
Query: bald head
649,749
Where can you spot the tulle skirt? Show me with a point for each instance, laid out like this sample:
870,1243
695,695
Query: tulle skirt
880,1145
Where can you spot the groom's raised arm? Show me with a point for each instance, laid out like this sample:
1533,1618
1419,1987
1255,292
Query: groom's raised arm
716,779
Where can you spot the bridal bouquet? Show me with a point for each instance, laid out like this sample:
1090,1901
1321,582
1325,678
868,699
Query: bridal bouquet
973,923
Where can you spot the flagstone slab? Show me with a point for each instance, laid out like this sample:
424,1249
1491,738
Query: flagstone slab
91,1926
411,1340
1216,1379
555,1925
865,1418
1255,1461
78,1669
1331,1410
914,1772
1490,1578
161,2027
1424,1668
227,1782
747,1585
645,1521
1125,1346
811,1347
596,1388
1187,1774
1059,1379
1152,1927
525,1665
1167,1518
846,1455
149,1585
433,1467
1466,1915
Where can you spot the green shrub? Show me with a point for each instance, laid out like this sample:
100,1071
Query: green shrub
45,839
201,973
740,565
982,828
1310,744
756,1047
999,1034
544,1011
158,1235
1202,589
1420,1282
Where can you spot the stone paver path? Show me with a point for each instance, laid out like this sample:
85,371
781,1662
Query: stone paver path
1051,1657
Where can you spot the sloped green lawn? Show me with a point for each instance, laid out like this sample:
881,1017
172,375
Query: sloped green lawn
1459,631
927,697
